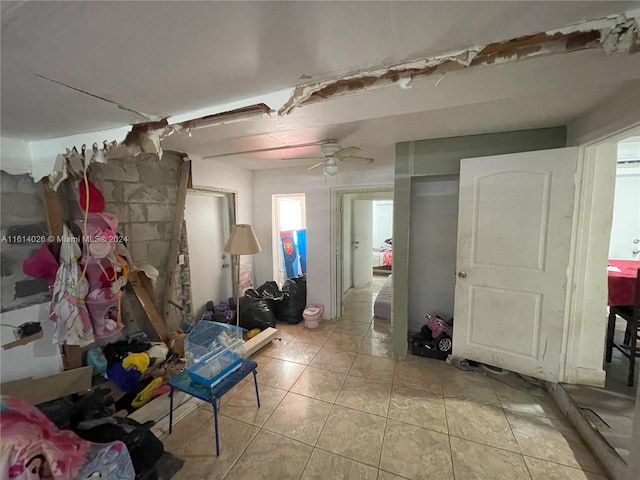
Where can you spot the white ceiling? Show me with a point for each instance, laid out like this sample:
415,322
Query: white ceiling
70,67
535,93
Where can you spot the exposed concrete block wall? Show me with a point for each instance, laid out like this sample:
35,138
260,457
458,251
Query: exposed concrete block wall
21,215
142,192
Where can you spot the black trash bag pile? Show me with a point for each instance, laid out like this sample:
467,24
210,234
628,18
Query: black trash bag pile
272,293
256,311
260,308
294,300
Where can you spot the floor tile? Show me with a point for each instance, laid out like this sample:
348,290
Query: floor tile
380,328
471,386
378,347
416,453
200,460
270,349
376,368
420,376
480,462
382,475
481,423
418,407
353,434
280,374
364,394
344,341
551,440
324,466
298,352
315,336
525,398
300,418
319,383
353,328
543,470
178,441
270,457
333,359
243,406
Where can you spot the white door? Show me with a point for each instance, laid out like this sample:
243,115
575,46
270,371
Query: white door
514,232
625,229
362,241
207,219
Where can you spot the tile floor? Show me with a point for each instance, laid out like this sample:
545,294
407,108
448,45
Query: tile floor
336,405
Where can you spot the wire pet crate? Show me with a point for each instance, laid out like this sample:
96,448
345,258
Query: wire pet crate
213,350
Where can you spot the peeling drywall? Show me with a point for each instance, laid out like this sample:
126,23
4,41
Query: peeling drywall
615,34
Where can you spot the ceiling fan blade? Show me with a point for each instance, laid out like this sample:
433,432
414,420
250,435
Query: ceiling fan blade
260,150
302,158
366,159
319,164
347,151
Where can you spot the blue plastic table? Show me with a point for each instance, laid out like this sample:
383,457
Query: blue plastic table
213,395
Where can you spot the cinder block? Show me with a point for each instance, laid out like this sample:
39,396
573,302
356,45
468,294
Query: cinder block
159,213
21,208
145,231
158,176
125,170
138,251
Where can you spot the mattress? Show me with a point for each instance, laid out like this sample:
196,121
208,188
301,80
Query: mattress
382,305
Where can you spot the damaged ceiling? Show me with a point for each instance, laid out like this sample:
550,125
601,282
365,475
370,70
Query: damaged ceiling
178,68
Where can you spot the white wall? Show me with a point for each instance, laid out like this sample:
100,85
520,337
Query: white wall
37,359
317,189
626,215
432,248
382,221
618,112
211,174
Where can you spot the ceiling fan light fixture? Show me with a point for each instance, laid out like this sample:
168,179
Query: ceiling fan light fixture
330,169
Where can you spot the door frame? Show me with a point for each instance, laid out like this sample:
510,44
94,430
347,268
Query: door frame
232,205
337,194
585,327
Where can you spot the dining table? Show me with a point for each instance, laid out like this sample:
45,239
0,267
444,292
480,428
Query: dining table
622,277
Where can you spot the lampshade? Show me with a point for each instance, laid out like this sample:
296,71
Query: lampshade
330,169
242,241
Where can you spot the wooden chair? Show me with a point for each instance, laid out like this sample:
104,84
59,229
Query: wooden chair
630,313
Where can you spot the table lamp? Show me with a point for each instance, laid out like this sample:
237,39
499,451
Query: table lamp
242,241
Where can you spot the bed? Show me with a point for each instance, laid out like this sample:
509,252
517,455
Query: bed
382,256
382,305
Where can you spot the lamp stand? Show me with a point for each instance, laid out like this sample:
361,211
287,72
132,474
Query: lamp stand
237,290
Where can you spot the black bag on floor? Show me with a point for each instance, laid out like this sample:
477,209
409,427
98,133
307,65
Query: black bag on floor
256,311
143,446
272,294
294,300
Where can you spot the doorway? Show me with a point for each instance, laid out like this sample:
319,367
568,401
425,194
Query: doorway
362,217
209,216
289,237
610,410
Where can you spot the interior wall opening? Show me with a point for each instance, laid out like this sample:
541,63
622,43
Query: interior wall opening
289,236
209,217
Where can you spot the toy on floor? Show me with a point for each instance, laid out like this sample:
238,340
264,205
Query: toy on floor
435,339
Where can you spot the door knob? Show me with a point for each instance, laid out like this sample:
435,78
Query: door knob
225,265
462,274
635,252
636,240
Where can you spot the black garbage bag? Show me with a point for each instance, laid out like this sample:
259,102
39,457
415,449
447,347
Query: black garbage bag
144,448
256,311
272,294
294,300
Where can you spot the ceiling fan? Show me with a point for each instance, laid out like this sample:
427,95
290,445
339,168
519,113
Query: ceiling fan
331,153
